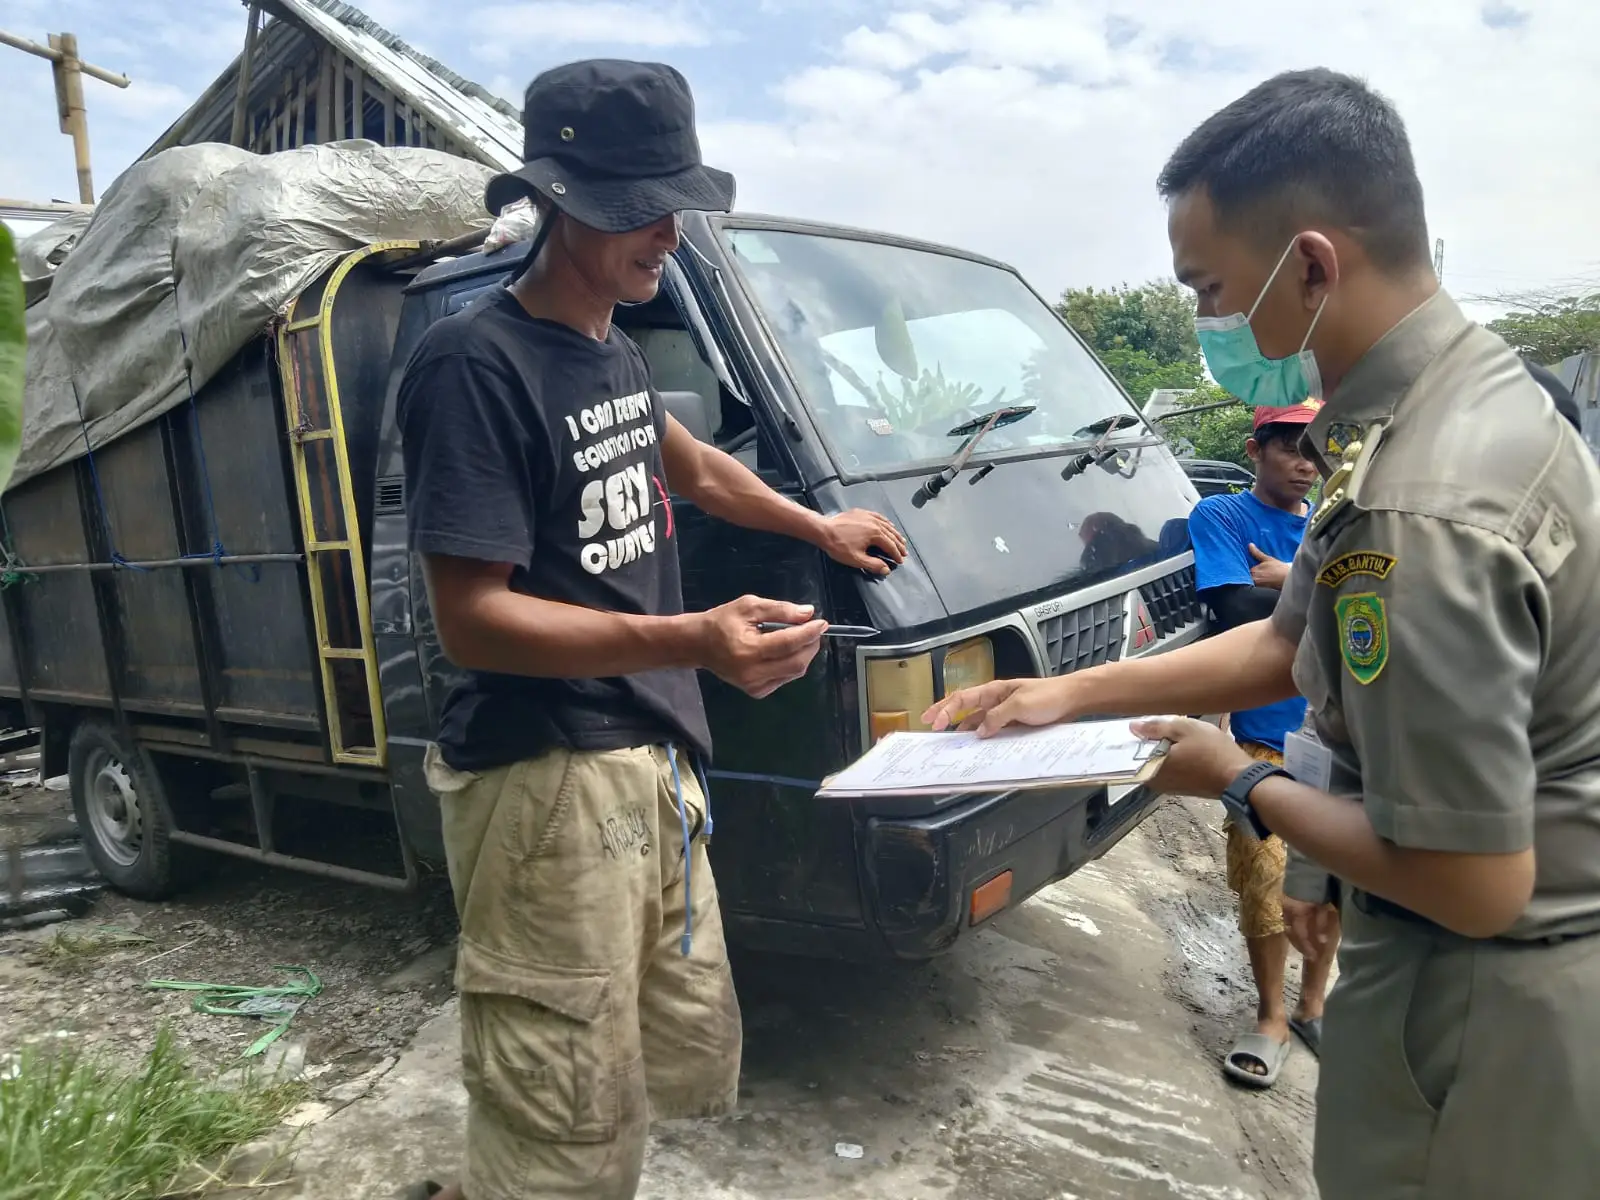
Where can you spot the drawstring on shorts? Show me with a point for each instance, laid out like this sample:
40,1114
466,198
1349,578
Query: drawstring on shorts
687,941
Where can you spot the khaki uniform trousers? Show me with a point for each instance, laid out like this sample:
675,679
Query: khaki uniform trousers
581,1017
1455,1069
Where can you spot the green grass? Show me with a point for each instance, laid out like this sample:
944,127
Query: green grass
68,945
74,1127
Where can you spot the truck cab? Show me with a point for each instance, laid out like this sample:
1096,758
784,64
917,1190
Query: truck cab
850,369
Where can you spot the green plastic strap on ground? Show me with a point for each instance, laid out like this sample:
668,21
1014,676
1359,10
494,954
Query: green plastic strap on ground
13,354
239,1000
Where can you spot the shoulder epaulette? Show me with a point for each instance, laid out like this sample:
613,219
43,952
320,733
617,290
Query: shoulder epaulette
1344,484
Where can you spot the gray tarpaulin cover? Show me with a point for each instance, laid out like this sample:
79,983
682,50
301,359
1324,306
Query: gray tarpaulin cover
202,246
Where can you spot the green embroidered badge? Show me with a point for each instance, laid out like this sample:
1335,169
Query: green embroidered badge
1363,634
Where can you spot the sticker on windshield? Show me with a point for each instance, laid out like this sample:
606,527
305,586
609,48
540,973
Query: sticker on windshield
880,426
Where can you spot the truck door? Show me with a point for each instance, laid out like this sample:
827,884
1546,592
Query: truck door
771,839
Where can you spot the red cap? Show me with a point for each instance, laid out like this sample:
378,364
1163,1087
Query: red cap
1296,414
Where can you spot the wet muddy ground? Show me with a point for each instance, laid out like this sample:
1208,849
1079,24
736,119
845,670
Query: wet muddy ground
1069,1050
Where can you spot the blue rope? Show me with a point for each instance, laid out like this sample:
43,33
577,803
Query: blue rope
789,781
12,569
100,497
218,551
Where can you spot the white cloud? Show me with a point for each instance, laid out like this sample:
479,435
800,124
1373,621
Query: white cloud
1026,130
501,31
1030,129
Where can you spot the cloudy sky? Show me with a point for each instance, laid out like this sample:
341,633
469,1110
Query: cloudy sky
1030,130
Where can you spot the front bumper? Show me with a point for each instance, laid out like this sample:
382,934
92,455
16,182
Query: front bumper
919,873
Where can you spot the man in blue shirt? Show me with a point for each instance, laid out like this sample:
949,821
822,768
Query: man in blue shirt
1243,545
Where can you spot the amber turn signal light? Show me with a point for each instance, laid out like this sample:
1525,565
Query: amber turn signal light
989,898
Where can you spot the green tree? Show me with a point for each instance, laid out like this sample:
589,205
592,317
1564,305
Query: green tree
1144,335
13,354
1218,434
1548,327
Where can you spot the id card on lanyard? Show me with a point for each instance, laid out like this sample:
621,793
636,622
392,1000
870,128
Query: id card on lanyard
1306,758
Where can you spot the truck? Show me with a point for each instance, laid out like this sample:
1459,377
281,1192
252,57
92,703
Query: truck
216,625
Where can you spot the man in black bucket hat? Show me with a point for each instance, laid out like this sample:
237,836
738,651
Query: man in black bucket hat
593,976
613,145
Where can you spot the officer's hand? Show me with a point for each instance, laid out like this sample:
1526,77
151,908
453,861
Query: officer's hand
1203,760
1268,572
1313,928
849,537
990,707
735,651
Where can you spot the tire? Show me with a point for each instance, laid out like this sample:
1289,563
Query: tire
122,812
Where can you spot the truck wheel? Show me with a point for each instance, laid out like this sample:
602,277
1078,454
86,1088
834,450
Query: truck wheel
122,812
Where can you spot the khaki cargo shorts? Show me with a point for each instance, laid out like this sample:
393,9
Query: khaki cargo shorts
1256,867
581,1017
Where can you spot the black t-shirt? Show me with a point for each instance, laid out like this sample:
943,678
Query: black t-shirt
528,443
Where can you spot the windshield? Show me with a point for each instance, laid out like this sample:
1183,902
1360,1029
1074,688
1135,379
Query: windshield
894,347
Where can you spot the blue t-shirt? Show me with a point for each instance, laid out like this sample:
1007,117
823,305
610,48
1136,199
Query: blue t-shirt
1222,529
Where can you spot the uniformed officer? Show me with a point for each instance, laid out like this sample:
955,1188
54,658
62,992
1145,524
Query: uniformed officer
1441,622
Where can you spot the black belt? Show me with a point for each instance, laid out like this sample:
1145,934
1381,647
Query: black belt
1377,906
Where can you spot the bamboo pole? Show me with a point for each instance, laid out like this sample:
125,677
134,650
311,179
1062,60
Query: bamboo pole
302,93
325,95
241,103
47,52
68,70
358,101
338,94
74,123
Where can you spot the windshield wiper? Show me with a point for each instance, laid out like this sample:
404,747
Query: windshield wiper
1106,446
974,431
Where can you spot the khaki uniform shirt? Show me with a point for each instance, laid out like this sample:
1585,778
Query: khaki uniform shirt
1447,612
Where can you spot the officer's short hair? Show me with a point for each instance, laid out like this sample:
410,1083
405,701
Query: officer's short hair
1303,148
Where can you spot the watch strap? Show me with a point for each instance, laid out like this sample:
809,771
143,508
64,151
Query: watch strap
1236,798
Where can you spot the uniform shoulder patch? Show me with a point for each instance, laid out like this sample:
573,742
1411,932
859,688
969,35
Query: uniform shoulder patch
1363,634
1357,562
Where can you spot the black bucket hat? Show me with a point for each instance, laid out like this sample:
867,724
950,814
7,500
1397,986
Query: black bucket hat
612,144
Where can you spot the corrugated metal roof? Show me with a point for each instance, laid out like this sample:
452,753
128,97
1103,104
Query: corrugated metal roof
483,124
456,104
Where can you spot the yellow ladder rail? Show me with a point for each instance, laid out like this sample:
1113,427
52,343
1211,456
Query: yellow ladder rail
317,547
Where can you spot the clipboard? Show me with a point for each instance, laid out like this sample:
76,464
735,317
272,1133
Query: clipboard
1083,754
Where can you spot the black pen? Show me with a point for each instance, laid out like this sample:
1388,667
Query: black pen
853,632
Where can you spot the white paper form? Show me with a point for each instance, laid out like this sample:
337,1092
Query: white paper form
952,762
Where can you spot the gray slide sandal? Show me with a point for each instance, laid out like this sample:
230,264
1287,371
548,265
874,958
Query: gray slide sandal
1262,1049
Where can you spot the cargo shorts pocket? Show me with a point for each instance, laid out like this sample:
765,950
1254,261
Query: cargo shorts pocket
443,779
538,1046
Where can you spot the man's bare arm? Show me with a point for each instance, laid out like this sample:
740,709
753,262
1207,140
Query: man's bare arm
724,487
485,626
1475,895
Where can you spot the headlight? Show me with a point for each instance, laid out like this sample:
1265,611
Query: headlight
900,690
968,665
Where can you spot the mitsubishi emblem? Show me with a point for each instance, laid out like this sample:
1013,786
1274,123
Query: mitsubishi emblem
1144,629
1000,545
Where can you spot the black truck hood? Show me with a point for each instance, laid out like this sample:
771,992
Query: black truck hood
1022,533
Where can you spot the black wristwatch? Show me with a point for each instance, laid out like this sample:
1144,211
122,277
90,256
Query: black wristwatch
1236,797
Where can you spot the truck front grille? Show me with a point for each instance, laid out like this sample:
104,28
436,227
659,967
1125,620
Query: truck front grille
1085,637
1172,601
1093,633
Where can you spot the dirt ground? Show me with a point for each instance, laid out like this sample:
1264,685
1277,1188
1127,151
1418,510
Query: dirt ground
384,960
1067,1051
